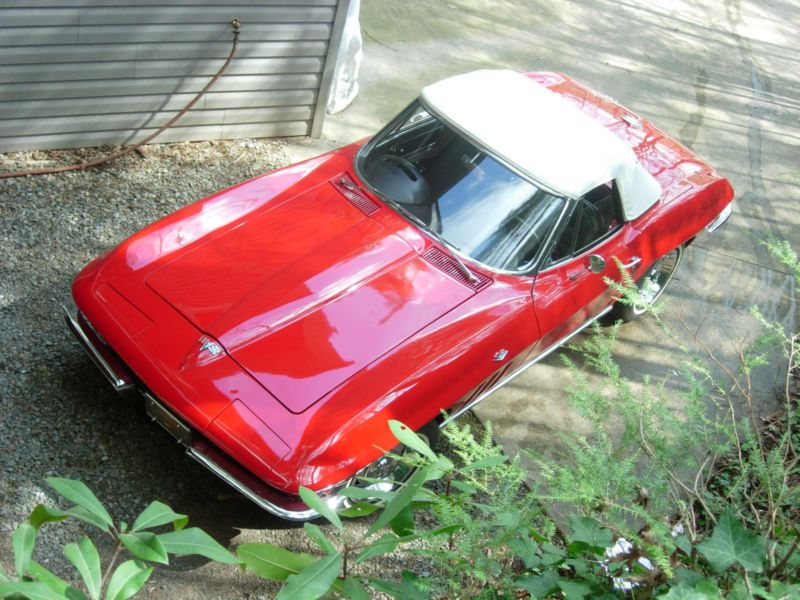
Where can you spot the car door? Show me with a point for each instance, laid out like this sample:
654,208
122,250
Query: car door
571,286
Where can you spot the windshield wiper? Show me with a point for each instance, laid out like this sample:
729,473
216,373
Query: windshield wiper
438,237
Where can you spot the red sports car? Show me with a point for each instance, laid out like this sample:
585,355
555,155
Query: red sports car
275,327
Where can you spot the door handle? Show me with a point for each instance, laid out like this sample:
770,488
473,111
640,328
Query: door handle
631,266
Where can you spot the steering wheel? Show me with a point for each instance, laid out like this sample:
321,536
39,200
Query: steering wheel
411,171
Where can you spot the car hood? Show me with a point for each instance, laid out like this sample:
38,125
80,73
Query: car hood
306,293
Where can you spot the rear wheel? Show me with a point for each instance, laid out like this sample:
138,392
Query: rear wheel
651,285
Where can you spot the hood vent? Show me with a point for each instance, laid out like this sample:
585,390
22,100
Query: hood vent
448,265
353,192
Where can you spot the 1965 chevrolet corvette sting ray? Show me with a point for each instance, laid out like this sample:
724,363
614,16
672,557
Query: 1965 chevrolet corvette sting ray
275,327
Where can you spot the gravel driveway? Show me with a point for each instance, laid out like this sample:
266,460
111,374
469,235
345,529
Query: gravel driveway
59,415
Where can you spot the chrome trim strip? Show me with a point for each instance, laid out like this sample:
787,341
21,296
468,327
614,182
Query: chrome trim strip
519,370
289,515
120,381
183,434
720,219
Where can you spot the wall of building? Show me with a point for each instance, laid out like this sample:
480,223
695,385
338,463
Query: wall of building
91,72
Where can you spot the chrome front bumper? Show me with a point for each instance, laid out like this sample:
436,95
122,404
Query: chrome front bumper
213,459
720,219
109,364
199,448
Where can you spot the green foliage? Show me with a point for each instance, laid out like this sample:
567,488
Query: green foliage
308,576
118,581
273,562
699,504
86,559
731,543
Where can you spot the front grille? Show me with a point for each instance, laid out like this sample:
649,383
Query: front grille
447,264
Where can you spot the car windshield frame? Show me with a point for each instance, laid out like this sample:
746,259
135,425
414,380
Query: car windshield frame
532,266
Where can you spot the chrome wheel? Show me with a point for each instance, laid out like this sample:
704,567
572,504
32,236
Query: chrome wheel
390,470
655,281
651,285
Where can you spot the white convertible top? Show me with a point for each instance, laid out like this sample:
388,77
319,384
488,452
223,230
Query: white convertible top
543,135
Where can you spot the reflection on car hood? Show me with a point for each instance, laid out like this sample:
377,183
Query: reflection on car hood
307,293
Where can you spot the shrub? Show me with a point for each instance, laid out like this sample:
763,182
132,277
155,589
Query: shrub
116,581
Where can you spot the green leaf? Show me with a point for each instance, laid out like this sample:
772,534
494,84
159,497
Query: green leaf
708,587
590,532
145,545
683,544
526,549
23,541
731,543
87,516
687,576
77,492
33,590
196,541
360,509
383,545
272,562
486,463
127,579
540,586
400,501
739,591
313,581
316,534
53,581
157,513
784,590
446,529
403,522
355,590
358,493
462,486
314,502
574,590
44,514
86,559
411,440
684,591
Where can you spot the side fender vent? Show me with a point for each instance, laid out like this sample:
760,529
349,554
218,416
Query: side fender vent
448,265
357,196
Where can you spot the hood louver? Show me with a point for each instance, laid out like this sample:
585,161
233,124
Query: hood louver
448,265
355,194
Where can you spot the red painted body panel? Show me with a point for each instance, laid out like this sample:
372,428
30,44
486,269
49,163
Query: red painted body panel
332,321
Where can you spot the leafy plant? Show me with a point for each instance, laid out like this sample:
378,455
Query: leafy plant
704,503
336,569
116,581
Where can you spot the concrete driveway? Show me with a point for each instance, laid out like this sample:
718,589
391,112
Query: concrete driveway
722,77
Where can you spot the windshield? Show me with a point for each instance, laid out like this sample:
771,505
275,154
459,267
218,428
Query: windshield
452,187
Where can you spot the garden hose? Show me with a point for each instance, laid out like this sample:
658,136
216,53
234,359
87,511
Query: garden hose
236,25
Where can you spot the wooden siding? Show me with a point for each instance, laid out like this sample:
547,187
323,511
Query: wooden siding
90,72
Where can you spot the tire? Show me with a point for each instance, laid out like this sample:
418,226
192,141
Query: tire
651,286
